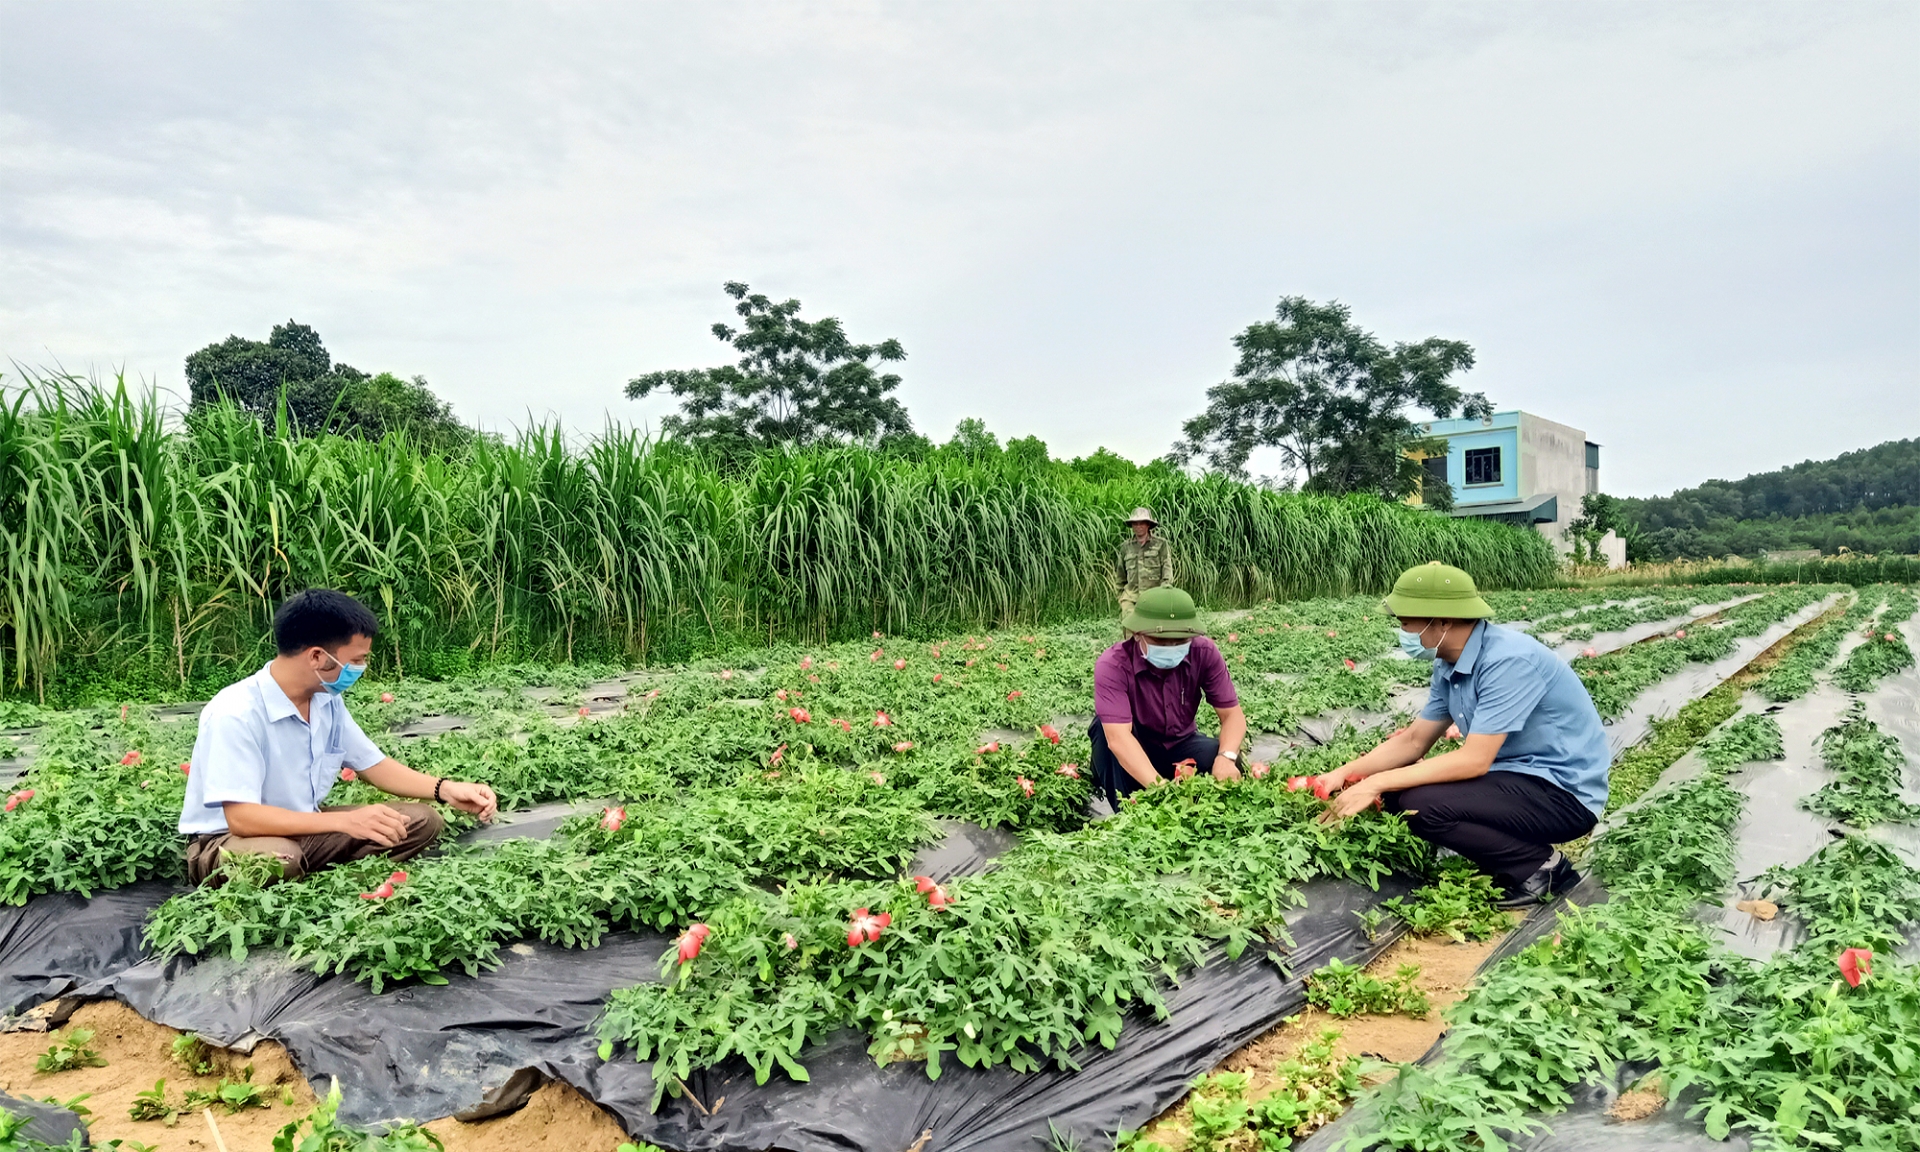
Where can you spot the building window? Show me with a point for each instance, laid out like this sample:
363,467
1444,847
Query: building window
1434,474
1483,466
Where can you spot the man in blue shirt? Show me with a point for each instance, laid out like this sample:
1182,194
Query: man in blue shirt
1532,769
271,746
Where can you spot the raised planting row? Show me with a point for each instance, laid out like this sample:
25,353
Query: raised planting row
1868,768
1615,679
1793,677
1885,650
1817,1047
100,804
1021,965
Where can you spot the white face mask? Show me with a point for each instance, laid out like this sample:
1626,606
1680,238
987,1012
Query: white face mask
1412,644
1167,655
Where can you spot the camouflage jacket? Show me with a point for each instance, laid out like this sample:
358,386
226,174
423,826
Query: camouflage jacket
1143,566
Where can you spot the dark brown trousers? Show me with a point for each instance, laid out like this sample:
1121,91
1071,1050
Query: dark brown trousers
301,855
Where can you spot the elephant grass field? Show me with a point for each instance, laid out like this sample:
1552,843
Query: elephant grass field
142,549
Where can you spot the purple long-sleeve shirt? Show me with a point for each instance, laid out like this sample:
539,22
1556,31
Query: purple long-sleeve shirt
1128,690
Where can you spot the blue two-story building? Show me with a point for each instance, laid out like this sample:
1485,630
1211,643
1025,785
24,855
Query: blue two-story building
1517,467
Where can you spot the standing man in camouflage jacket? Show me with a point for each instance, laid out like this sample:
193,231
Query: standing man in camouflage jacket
1145,561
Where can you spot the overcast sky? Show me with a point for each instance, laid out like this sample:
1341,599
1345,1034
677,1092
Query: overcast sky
1692,230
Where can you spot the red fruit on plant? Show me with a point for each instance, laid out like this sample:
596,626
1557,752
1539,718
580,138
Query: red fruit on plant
1680,635
397,877
1349,663
1051,733
882,720
1890,637
938,898
1015,694
1185,769
806,662
186,769
386,697
1331,633
349,775
877,778
779,754
791,943
1233,637
1026,785
692,940
1854,964
813,678
613,817
1297,783
1070,771
874,657
726,674
380,893
1322,789
923,884
972,662
1258,770
1002,667
800,715
844,726
936,677
936,653
584,710
865,928
903,746
779,693
130,759
989,746
899,665
1589,653
1040,653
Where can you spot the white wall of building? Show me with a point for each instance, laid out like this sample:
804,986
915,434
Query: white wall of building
1553,459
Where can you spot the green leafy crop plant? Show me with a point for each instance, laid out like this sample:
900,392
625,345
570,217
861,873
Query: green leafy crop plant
1793,676
1018,966
1615,679
1884,652
1869,767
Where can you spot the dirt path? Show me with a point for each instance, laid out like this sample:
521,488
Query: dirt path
138,1052
1446,969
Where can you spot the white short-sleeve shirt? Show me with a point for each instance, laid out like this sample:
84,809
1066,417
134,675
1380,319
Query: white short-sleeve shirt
253,748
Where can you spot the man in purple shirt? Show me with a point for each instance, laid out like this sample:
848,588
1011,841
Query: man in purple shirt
1146,692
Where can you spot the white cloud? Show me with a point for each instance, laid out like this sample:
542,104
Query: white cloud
1665,224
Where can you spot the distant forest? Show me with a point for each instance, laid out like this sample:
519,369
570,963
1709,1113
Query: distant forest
1865,501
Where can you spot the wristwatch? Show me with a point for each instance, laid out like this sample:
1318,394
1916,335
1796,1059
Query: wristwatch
1233,756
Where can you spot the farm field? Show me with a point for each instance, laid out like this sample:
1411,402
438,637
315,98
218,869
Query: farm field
869,873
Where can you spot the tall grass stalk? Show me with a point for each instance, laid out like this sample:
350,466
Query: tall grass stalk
144,550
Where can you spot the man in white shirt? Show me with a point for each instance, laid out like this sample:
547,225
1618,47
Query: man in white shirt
271,746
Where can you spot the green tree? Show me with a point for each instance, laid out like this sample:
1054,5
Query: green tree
797,382
1599,515
320,395
1334,399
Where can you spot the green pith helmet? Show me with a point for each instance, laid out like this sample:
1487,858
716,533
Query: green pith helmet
1164,614
1437,591
1143,513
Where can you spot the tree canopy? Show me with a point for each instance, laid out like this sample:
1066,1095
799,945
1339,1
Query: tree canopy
1336,400
797,382
320,395
1867,501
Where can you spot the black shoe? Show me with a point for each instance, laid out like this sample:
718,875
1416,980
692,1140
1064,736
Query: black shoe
1554,879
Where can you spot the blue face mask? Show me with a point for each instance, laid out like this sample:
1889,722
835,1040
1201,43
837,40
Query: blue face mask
345,680
1167,655
1411,644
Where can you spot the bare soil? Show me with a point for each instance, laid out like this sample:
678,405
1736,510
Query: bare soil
1446,968
139,1052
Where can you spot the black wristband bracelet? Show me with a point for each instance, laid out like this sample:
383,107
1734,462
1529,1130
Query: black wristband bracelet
436,789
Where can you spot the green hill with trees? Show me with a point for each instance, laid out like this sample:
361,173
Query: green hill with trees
1864,501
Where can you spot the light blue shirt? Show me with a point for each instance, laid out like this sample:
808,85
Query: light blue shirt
253,748
1509,682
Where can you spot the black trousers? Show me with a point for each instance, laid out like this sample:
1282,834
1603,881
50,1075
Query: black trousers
1506,823
1164,751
